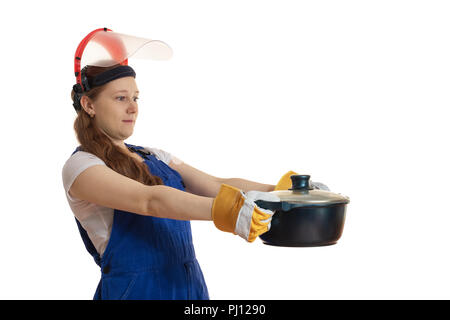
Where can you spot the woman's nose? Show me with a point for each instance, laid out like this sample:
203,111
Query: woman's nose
132,107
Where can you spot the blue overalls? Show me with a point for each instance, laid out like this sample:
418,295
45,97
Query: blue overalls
149,257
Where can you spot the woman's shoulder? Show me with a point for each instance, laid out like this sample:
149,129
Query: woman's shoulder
77,162
80,156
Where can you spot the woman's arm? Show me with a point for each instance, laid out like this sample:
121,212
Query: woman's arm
203,184
168,202
103,186
247,185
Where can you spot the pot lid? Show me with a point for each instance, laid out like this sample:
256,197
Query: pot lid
302,194
311,196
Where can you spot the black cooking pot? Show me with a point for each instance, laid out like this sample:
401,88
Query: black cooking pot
305,217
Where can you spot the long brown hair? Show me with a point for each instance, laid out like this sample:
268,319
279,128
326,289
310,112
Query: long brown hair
94,141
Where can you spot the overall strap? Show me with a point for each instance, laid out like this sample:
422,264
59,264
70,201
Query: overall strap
88,243
86,240
140,150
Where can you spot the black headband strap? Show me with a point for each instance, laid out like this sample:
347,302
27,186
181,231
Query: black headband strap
99,80
112,74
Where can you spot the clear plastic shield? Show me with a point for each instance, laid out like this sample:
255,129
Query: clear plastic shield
107,48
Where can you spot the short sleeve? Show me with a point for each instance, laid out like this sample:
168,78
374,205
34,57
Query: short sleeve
162,155
76,164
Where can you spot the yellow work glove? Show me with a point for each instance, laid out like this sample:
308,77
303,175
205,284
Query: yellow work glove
235,211
285,183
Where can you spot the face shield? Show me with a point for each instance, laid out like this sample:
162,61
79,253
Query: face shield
104,48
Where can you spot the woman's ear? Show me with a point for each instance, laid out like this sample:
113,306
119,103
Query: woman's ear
87,105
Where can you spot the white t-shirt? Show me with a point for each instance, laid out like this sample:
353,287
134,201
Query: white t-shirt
95,219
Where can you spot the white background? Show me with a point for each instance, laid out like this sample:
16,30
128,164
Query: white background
353,93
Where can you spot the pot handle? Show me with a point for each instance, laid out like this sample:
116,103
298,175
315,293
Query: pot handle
269,205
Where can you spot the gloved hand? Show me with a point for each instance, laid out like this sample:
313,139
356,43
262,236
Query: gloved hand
285,182
235,211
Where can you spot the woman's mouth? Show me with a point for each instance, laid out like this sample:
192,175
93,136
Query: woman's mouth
128,121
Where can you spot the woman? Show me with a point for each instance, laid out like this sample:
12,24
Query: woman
133,204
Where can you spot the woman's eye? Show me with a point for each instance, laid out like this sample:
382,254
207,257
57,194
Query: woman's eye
122,98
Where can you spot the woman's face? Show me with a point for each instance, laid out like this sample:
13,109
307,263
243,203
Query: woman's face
115,106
